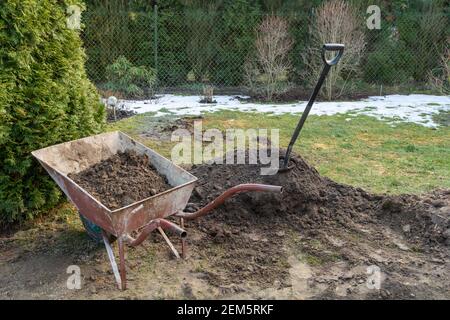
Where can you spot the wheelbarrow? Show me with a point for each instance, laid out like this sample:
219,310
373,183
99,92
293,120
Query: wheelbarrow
141,217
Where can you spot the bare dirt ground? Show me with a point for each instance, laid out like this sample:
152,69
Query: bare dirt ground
317,240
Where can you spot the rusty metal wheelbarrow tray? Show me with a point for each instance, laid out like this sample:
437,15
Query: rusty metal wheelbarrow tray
75,156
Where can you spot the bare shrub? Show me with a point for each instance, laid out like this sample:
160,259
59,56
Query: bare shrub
439,79
267,71
336,21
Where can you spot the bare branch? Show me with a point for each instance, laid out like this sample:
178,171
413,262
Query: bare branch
336,21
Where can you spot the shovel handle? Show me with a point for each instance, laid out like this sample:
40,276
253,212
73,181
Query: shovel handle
332,47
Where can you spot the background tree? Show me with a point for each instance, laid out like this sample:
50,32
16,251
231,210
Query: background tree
239,21
335,21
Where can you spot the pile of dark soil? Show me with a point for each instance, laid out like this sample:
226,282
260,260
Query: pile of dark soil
252,225
121,180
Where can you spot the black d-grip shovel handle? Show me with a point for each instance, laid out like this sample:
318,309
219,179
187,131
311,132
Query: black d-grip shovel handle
332,47
327,65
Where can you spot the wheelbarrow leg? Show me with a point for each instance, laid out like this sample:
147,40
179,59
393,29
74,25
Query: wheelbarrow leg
112,259
183,241
122,269
169,243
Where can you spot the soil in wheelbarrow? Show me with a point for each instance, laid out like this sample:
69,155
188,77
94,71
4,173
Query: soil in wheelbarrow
121,180
316,222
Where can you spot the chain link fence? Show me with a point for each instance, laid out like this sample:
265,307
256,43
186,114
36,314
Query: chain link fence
136,54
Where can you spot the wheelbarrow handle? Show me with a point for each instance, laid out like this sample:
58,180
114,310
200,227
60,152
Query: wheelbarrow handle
332,47
245,187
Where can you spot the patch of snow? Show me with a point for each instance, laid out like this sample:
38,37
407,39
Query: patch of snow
416,108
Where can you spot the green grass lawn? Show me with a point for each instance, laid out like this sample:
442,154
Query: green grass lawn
363,151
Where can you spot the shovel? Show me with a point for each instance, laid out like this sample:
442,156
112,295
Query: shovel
326,68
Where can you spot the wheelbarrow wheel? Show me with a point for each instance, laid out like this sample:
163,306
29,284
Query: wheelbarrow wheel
94,231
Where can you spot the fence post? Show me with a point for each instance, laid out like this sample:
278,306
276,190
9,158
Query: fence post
155,38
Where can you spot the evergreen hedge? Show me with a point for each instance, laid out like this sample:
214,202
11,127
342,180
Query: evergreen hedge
45,98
